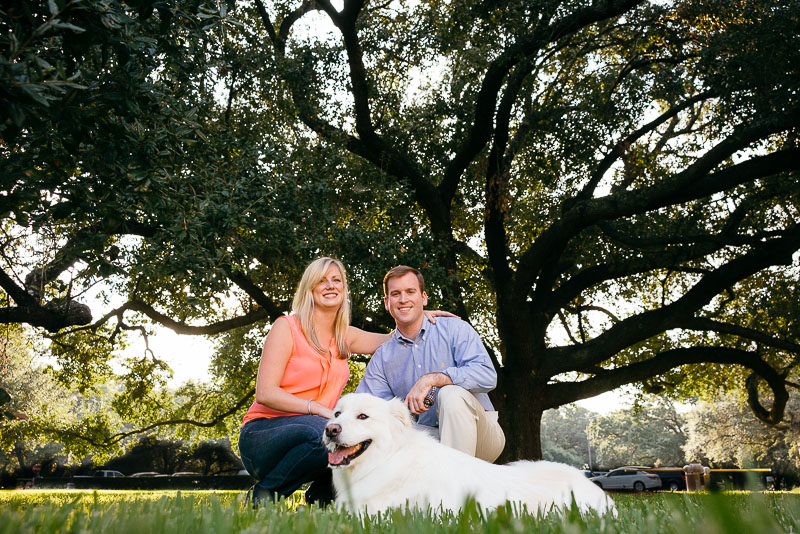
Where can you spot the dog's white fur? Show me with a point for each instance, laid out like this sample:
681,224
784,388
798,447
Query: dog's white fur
403,466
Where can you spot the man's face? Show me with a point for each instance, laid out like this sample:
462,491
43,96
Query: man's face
404,301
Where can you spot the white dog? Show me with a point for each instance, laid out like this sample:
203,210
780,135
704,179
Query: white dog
380,462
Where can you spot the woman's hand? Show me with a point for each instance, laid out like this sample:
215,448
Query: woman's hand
432,314
320,410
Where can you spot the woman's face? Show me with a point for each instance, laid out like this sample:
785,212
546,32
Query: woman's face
329,292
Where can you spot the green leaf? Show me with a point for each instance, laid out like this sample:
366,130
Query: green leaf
42,63
17,115
68,26
5,398
71,85
33,92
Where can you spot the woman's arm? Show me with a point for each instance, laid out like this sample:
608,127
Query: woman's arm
274,356
363,342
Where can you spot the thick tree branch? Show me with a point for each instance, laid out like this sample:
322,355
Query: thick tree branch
351,10
597,274
368,145
116,438
259,314
262,11
659,255
774,415
498,197
73,314
640,327
78,245
255,292
693,183
621,146
64,312
52,317
278,39
720,240
563,393
486,100
705,324
20,296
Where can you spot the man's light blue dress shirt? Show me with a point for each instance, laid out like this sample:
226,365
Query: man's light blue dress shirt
450,346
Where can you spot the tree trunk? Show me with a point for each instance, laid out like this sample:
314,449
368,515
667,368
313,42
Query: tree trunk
19,452
519,403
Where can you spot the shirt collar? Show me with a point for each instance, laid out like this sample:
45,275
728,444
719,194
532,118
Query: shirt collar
420,335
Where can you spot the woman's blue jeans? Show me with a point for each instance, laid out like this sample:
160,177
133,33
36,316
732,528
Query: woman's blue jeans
282,453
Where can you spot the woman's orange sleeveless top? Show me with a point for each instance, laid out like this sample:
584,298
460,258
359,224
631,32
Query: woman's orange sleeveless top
308,374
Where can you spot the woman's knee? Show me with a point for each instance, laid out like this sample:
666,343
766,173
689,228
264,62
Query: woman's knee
264,444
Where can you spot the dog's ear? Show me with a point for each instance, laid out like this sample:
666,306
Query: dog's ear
400,412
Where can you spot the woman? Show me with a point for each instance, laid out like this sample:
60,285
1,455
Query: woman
301,375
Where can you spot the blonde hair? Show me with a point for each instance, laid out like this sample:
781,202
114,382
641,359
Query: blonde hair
303,305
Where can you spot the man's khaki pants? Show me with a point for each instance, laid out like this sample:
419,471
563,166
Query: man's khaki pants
465,425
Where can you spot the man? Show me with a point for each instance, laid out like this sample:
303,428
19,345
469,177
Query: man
448,356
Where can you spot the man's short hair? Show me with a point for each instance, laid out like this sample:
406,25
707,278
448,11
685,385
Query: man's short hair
402,270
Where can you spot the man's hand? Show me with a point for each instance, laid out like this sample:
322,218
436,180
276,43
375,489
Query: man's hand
415,400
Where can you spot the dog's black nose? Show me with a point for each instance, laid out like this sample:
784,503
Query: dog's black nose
333,430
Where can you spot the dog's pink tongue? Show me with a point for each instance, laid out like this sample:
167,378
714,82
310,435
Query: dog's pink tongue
337,457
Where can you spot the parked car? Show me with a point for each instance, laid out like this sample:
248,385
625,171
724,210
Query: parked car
146,474
107,473
629,477
186,474
672,478
590,474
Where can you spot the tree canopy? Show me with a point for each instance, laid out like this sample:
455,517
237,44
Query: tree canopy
607,189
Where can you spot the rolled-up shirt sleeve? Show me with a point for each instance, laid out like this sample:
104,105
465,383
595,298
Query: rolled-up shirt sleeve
473,368
374,381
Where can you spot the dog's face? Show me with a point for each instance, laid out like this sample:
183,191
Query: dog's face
362,426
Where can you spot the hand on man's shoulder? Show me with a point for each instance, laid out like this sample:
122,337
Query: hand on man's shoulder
454,325
449,321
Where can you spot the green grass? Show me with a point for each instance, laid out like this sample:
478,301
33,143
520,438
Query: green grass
190,512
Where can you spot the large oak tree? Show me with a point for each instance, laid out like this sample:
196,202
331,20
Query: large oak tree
608,190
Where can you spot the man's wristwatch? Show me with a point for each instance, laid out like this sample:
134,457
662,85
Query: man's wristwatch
430,398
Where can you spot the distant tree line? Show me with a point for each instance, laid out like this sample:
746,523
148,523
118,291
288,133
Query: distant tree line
147,454
720,434
37,400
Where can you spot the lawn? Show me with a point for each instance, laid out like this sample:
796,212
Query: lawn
176,512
